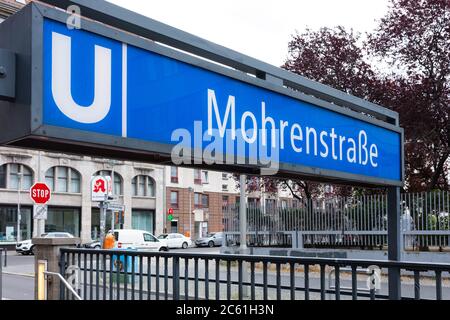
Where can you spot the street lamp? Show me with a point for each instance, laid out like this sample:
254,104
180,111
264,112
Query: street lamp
190,189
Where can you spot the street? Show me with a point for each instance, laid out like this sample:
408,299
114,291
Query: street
18,276
18,281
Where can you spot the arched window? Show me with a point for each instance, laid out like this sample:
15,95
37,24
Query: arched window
15,175
118,185
63,179
143,186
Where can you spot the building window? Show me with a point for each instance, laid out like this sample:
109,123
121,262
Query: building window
63,220
118,185
224,187
174,199
201,200
20,174
63,179
205,177
197,200
174,174
8,223
284,204
225,201
75,181
205,201
13,174
50,178
224,176
197,176
143,186
143,220
3,176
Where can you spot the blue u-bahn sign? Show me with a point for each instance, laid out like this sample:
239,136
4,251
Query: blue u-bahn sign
105,89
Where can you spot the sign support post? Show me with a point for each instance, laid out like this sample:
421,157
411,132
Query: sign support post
394,248
242,214
40,193
243,229
103,206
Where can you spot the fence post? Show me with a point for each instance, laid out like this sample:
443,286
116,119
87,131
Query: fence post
48,249
394,243
243,230
1,274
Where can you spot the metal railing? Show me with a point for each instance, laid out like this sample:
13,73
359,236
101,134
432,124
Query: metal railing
138,275
359,221
65,283
3,263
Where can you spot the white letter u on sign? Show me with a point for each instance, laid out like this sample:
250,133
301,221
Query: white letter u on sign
61,82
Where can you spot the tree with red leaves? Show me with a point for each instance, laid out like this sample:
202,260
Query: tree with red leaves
414,38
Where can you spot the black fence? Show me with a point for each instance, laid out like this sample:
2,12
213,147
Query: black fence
137,275
3,263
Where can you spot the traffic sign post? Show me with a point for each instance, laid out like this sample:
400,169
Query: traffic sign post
40,212
40,193
100,192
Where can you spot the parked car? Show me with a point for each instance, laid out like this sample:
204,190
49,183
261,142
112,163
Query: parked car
27,247
211,240
92,245
175,240
138,239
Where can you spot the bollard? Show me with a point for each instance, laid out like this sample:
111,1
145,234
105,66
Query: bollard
48,249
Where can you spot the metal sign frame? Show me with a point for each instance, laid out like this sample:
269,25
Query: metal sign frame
111,21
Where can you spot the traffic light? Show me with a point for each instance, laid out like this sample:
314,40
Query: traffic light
170,214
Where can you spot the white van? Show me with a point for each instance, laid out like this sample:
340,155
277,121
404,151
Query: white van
138,239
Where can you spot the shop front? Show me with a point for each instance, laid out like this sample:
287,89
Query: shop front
60,219
8,223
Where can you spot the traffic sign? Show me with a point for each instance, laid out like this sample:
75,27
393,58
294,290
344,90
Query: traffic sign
114,206
100,188
315,132
40,212
40,193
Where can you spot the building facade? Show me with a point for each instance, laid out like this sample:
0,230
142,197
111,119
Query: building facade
138,186
196,197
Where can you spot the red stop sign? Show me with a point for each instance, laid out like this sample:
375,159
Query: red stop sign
40,193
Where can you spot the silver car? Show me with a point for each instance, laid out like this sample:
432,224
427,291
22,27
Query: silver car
211,240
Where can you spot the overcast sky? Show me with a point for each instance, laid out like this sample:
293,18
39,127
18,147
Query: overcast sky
259,28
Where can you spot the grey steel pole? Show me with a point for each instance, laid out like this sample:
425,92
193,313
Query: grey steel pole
243,214
103,205
243,232
19,216
394,248
112,192
1,275
190,212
